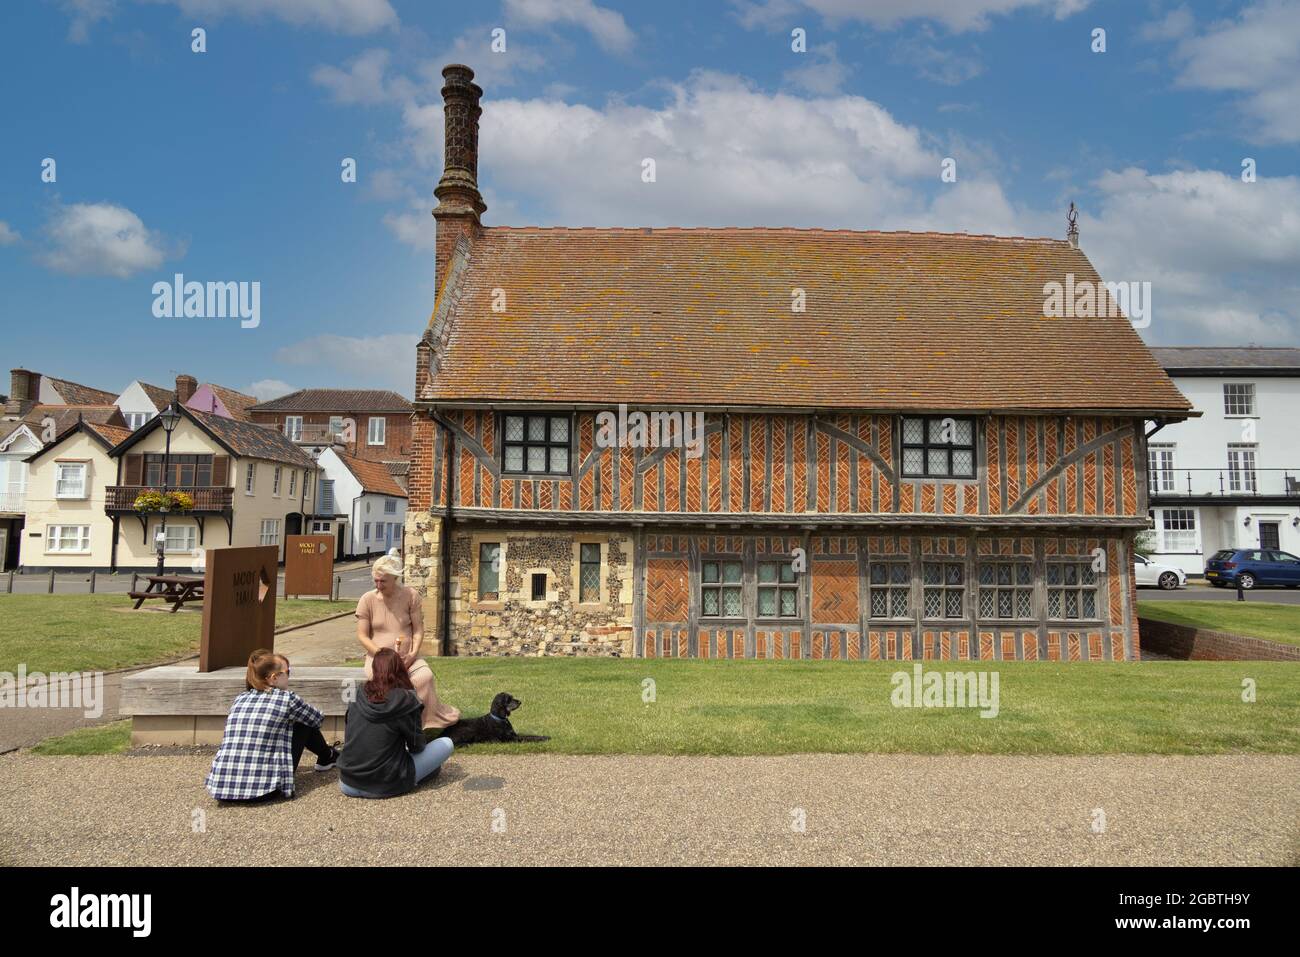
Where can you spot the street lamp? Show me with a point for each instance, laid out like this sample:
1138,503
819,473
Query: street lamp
169,416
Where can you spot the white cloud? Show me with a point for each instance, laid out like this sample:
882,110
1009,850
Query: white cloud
8,235
264,390
957,15
101,239
339,16
935,63
1256,55
364,81
824,75
607,27
1222,256
1174,25
85,14
381,360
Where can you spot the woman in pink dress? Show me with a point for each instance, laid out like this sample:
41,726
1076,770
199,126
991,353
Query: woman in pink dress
390,616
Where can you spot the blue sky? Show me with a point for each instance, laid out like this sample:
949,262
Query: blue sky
225,165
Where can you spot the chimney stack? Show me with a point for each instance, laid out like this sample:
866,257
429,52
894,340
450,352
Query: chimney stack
24,391
186,386
459,202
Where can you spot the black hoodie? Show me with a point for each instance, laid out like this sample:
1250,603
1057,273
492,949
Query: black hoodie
380,736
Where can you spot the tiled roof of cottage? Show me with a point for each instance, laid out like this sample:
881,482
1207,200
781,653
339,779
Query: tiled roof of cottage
74,393
1207,359
65,416
236,403
113,435
256,441
160,397
373,476
337,400
893,320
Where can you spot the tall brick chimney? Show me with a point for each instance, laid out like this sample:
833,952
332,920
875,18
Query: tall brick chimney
459,201
24,391
186,385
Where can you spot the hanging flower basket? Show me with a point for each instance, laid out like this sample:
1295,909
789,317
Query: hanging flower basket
152,500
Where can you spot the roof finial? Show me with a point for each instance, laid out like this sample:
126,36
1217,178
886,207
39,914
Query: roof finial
1072,233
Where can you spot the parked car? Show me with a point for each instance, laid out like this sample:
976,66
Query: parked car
1147,572
1253,567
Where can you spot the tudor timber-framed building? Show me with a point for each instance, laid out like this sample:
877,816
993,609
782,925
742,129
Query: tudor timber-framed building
964,476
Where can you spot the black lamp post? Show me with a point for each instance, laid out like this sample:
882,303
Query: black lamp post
170,416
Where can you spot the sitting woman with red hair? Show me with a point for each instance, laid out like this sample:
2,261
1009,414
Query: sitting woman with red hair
386,753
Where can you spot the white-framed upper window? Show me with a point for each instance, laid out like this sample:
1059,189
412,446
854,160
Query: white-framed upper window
1241,467
293,427
250,477
375,430
67,538
69,479
1160,466
181,538
293,481
275,480
136,419
327,495
1238,398
321,528
1178,530
270,532
365,532
390,506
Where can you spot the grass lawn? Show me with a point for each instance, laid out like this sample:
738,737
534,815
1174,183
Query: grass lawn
101,632
1254,618
592,706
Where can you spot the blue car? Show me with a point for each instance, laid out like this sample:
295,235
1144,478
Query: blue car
1253,567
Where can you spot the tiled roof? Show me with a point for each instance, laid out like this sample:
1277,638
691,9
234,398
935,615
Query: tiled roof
160,397
73,393
257,441
236,403
114,435
373,476
893,320
65,416
401,467
336,400
1211,358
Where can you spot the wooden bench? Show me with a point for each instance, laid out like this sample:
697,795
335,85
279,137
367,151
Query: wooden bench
177,705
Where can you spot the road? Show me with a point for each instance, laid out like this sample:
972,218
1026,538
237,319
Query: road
354,581
822,809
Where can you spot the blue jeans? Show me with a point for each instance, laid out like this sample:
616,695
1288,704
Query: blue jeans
426,762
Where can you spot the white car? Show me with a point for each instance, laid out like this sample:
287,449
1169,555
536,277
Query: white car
1147,572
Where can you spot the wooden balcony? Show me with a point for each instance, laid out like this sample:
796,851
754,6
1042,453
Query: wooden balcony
207,500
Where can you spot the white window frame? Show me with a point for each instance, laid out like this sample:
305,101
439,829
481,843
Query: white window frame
1160,476
293,481
1183,540
382,430
365,537
190,539
59,480
54,538
275,480
1229,401
390,506
293,427
273,536
250,478
1241,467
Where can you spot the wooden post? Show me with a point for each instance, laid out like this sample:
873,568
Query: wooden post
11,581
133,577
51,581
92,581
338,581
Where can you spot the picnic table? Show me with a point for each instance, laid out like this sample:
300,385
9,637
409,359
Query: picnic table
176,589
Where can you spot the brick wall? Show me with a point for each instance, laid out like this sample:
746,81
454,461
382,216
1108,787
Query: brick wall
1202,644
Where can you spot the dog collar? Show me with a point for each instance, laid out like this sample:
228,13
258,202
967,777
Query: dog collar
494,717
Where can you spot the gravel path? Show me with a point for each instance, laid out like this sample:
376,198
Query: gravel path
551,809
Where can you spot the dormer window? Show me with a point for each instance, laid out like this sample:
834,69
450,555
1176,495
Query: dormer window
937,446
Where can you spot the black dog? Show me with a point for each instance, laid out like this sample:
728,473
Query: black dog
493,726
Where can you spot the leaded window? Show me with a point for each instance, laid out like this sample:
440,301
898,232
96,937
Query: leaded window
938,447
589,573
890,585
1006,590
778,592
943,586
1071,590
720,589
489,571
536,445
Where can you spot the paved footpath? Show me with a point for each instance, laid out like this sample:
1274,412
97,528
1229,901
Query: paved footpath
556,809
